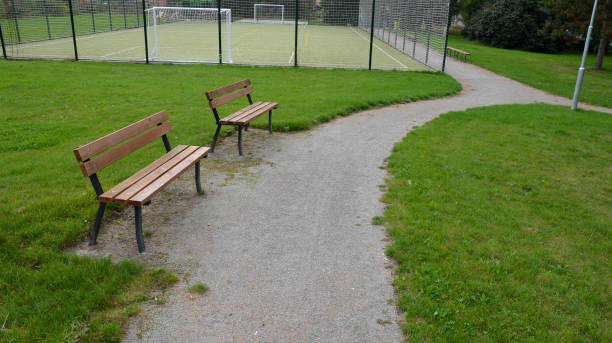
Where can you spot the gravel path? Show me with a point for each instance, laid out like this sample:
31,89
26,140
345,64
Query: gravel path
284,239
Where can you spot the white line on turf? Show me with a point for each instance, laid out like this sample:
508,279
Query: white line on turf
291,58
377,47
122,51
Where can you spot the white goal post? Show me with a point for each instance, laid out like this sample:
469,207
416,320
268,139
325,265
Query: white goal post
255,6
160,15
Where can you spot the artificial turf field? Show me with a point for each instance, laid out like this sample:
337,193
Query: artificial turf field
261,44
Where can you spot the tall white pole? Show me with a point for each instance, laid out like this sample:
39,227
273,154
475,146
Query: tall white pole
584,57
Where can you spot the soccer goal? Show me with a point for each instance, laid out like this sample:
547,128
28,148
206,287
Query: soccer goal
187,19
269,13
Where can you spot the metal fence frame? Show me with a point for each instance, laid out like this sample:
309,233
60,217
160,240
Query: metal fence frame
372,31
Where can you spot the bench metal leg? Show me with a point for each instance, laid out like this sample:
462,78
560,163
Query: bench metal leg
212,147
240,140
270,121
96,228
197,177
246,128
138,221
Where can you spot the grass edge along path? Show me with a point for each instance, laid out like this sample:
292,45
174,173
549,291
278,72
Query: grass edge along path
49,108
500,218
554,73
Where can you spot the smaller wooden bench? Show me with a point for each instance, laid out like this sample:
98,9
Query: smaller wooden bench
457,53
242,118
138,189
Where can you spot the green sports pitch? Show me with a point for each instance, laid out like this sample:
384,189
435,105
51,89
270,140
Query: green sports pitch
256,44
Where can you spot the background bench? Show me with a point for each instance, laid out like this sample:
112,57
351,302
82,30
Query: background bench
458,53
138,189
242,118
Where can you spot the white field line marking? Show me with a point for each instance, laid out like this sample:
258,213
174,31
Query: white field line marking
291,58
122,51
381,50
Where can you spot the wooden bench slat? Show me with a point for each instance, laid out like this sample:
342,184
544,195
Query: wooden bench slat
257,111
86,151
231,97
226,89
122,195
105,159
235,114
153,188
244,112
248,118
109,195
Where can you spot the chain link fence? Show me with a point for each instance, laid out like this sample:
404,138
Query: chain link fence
361,34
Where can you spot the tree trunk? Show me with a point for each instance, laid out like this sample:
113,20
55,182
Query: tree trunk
604,40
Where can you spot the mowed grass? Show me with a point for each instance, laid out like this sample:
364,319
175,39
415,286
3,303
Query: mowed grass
49,108
501,218
555,73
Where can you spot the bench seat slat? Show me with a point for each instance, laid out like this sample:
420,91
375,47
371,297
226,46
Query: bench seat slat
241,111
109,195
249,113
244,112
123,196
160,183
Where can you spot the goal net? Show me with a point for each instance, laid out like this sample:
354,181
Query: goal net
269,13
172,21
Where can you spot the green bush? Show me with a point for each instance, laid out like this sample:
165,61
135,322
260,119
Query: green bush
511,24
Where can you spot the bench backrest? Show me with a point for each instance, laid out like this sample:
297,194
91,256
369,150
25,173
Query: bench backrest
229,93
102,152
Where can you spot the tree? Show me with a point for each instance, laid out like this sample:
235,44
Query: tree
340,12
569,21
510,24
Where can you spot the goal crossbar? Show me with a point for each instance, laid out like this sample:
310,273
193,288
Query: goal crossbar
157,12
282,7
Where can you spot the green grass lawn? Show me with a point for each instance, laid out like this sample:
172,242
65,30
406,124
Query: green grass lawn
549,72
501,218
49,108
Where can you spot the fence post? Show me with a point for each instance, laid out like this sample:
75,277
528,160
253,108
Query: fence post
93,20
124,18
16,21
429,32
446,38
110,16
2,42
372,34
76,53
295,48
219,29
46,10
144,25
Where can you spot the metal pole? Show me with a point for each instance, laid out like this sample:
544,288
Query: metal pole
110,16
144,25
429,33
446,39
44,3
219,29
584,57
2,42
16,21
295,48
124,18
372,33
76,53
93,20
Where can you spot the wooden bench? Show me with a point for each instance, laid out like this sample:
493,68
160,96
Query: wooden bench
458,53
242,118
138,189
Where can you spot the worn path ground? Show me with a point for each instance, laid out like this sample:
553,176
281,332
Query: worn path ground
283,237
